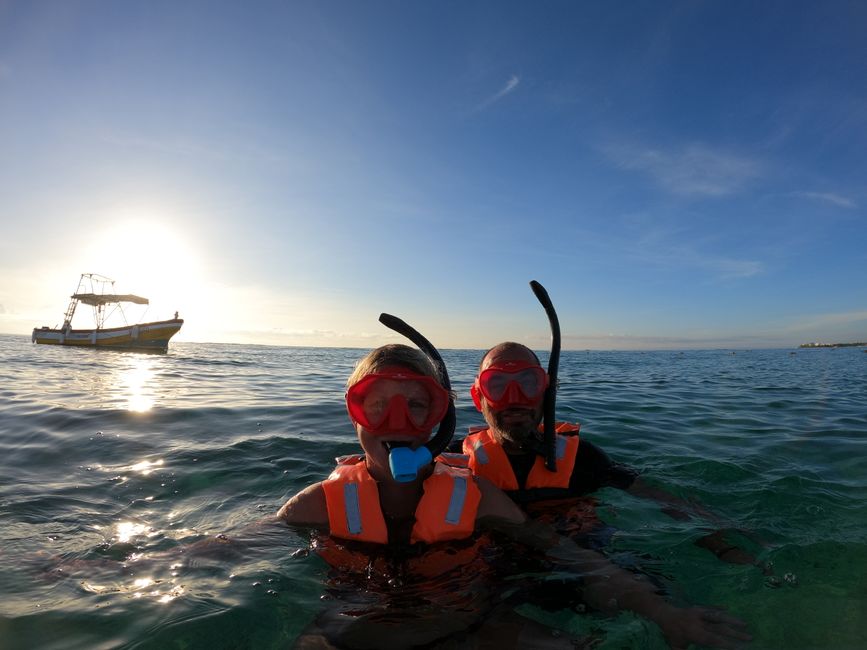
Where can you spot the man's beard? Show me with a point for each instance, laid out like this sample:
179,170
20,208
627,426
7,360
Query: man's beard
518,427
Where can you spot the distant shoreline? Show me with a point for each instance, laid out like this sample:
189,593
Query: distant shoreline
833,345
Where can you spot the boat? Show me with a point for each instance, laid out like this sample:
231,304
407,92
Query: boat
97,291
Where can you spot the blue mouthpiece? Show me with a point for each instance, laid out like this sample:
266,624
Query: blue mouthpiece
405,462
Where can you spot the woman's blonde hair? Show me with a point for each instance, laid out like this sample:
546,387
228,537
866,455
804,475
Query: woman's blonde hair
392,355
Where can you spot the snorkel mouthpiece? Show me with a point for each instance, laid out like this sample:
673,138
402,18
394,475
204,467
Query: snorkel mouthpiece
405,462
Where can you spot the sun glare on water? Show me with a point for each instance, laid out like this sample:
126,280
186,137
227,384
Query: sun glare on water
137,382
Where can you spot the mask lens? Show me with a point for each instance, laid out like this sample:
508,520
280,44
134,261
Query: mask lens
529,382
494,384
397,403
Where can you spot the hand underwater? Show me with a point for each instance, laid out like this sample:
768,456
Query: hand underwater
705,626
610,588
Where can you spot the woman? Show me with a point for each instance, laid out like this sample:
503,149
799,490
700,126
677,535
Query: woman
396,505
394,399
404,525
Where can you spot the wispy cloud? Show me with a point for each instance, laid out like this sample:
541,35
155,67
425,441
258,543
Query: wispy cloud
828,197
830,320
509,88
728,268
672,246
719,266
694,170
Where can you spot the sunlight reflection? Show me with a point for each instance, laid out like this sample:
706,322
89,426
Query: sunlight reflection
126,530
170,595
137,384
180,533
139,588
93,587
145,467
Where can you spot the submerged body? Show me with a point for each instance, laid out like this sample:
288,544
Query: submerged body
409,519
401,580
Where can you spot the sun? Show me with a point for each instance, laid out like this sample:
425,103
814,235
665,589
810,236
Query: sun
148,258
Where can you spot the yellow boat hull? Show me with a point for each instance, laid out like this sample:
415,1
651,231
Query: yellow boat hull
141,336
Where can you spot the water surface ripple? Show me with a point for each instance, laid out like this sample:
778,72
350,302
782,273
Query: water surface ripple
114,463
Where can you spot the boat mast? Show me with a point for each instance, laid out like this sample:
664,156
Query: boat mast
73,303
87,286
99,309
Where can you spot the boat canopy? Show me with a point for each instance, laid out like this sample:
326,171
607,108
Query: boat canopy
97,299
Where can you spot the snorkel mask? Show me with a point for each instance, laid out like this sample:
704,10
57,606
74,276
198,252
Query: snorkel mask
395,400
510,384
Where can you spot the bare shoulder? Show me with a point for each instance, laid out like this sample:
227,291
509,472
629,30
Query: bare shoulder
307,508
496,504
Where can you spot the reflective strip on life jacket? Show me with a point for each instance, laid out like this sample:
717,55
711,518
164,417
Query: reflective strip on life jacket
448,507
489,459
446,510
456,500
349,491
480,455
566,452
353,509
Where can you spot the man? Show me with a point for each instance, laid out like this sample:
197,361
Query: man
509,391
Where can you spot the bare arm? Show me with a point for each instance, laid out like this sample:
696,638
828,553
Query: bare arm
496,507
673,506
307,508
683,510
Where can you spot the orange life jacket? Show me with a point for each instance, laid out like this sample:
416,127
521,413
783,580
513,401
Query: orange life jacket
489,459
446,510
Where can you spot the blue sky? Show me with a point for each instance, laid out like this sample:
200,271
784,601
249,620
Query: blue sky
677,174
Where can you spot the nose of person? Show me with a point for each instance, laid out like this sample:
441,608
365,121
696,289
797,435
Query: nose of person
397,414
514,394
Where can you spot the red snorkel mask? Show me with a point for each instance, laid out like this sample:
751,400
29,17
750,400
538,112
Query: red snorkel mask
511,383
397,402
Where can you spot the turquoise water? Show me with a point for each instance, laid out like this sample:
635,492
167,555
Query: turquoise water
112,464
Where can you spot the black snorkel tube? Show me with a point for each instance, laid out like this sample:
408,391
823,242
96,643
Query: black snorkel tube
403,461
553,366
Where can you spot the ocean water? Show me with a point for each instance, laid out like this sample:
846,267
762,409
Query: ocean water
113,465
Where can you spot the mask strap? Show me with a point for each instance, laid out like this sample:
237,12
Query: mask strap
475,393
